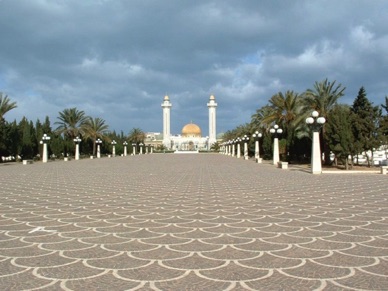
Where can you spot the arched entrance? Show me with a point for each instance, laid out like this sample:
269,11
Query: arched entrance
191,146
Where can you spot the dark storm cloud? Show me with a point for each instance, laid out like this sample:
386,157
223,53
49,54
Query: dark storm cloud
116,59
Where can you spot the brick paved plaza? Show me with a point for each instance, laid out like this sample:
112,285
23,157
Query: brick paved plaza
190,222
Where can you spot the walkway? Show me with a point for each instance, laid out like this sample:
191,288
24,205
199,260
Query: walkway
190,222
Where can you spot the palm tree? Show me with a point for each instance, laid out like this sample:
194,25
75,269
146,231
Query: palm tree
71,124
323,98
95,128
136,135
286,111
5,105
260,115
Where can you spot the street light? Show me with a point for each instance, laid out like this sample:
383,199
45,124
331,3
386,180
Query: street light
316,122
257,135
125,148
276,130
44,141
77,141
114,148
98,142
245,139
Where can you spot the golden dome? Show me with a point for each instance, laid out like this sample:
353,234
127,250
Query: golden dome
191,130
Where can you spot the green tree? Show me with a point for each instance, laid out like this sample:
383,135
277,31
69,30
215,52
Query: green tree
339,131
137,136
5,105
322,98
9,139
94,129
259,120
215,147
28,144
287,113
71,124
366,125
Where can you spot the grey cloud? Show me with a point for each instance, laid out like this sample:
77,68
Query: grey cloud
117,59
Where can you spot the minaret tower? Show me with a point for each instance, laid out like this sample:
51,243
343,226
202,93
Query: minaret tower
166,105
212,105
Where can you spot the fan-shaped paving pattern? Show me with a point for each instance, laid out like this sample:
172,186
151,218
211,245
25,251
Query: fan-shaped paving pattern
195,222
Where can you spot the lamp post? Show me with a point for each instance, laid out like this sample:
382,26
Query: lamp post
125,148
245,139
141,148
238,147
77,141
316,122
114,148
44,141
276,130
134,148
257,135
98,142
233,146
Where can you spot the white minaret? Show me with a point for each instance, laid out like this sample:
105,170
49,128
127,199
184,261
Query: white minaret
212,105
166,105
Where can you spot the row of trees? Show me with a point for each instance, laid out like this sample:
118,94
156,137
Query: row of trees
23,138
348,131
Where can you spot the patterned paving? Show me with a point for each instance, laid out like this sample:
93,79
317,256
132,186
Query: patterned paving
190,222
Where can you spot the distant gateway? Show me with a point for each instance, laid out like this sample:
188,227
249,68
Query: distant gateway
191,137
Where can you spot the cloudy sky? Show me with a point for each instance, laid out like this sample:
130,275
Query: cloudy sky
116,59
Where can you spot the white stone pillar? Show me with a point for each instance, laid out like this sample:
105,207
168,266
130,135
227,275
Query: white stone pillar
316,159
44,158
134,149
77,151
166,105
246,150
98,151
125,150
238,150
233,149
141,149
276,158
257,154
212,105
45,139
